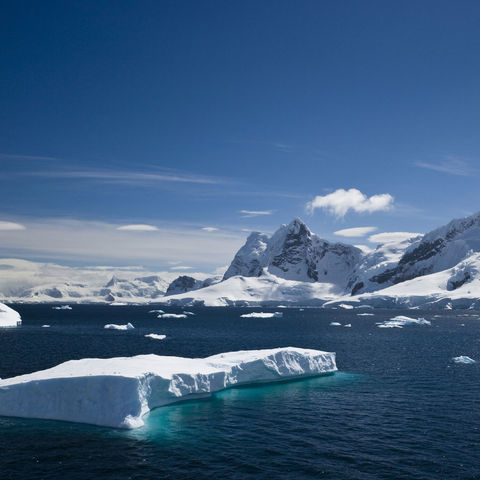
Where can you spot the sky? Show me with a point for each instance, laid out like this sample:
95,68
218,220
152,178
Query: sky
160,133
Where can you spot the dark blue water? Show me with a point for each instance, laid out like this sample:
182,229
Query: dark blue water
398,408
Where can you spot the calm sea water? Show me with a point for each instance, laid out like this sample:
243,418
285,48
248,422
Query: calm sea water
398,409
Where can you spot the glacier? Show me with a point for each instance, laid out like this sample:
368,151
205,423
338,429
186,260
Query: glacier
9,317
118,392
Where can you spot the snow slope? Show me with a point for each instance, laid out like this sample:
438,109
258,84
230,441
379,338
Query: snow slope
267,289
117,392
9,317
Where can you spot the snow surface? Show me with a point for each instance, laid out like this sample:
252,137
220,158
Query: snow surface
262,315
118,392
9,317
156,336
463,359
401,321
113,326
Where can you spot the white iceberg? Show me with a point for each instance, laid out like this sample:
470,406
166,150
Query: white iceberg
156,311
463,359
262,315
62,307
9,317
172,315
348,325
118,392
401,321
188,313
113,326
156,336
45,326
365,314
345,306
335,324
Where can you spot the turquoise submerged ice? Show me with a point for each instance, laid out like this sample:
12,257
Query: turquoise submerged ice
118,392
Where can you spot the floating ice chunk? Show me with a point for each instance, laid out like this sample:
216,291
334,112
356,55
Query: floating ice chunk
188,313
262,315
282,306
348,325
172,315
346,306
463,359
156,311
62,307
156,336
118,304
45,326
9,317
117,392
365,314
113,326
401,321
335,324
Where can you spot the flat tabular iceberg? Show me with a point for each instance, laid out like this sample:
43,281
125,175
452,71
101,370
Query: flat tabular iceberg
113,326
172,315
9,317
400,321
262,315
156,336
117,392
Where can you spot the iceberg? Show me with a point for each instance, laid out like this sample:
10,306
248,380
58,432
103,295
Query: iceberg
113,326
365,314
156,336
118,392
463,359
172,315
9,317
335,324
401,321
62,307
156,311
262,315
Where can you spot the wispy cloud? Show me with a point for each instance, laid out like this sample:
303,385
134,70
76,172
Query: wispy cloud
9,156
451,165
389,237
341,201
210,229
355,231
138,227
4,226
181,267
255,213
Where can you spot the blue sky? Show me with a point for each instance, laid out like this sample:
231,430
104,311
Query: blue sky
186,115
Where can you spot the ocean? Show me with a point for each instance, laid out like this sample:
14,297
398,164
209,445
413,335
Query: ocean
398,408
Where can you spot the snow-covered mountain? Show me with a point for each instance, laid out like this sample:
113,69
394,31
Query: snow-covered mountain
293,252
292,266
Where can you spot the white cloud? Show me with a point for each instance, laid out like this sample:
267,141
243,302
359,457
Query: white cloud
139,227
451,165
101,243
255,213
210,229
11,226
389,237
341,201
355,232
181,267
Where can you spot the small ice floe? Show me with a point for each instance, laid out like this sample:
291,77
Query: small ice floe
118,304
156,311
188,313
348,325
365,314
401,321
346,306
156,336
172,315
282,306
335,324
62,307
301,310
463,359
45,326
113,326
365,306
262,315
